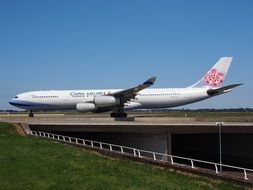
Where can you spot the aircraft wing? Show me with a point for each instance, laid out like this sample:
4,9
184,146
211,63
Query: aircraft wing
213,92
127,94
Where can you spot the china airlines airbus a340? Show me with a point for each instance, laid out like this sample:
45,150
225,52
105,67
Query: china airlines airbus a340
118,100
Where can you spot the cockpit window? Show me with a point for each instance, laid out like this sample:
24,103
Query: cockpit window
16,97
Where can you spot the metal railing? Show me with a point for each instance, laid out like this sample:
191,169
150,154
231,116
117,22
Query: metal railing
155,156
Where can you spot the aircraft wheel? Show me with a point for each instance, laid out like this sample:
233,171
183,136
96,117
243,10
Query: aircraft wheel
120,114
30,113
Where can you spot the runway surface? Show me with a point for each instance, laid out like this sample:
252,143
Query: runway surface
179,125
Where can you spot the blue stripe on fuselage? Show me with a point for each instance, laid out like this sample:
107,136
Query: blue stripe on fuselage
21,103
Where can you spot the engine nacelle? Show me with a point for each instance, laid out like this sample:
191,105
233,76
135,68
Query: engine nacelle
85,107
104,101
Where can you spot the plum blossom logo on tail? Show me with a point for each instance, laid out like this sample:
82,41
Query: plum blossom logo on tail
214,78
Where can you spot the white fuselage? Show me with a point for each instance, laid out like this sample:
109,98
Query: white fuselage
138,97
145,99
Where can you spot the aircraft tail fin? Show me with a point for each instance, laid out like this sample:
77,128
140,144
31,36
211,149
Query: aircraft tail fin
215,77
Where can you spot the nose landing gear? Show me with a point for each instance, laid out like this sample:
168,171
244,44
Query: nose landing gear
31,113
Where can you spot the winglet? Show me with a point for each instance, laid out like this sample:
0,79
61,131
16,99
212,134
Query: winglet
150,81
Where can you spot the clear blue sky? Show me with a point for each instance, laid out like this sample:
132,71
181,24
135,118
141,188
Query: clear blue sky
57,44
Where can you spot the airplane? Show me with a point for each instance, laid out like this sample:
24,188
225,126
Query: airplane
119,100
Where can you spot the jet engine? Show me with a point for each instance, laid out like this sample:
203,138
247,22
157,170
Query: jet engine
104,101
85,107
99,103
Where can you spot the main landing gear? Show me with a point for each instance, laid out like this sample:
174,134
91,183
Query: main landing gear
118,114
31,113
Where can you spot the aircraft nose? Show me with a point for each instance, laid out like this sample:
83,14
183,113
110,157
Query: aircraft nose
11,102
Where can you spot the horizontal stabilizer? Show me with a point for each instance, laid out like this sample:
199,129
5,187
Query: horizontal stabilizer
213,92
